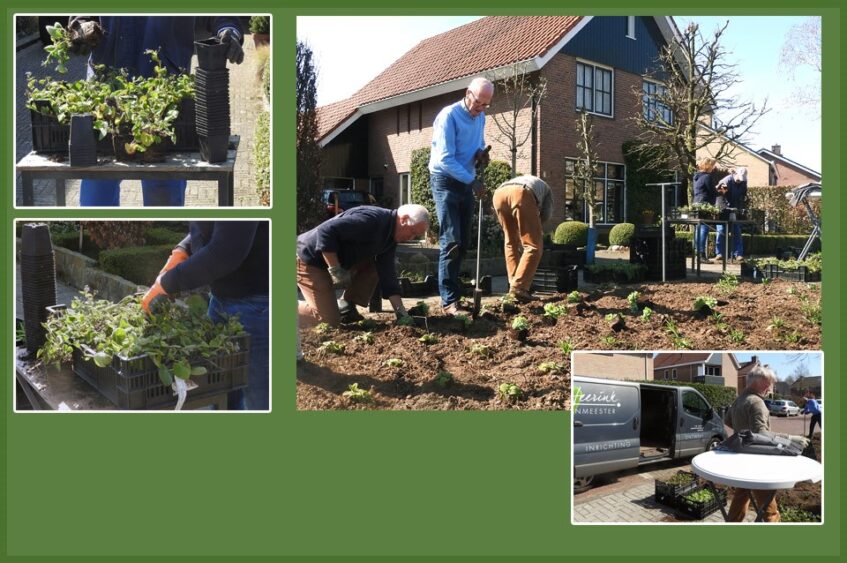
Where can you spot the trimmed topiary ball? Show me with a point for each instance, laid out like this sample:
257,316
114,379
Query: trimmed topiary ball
621,234
571,232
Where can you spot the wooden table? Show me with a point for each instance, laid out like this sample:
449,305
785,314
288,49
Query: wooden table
710,223
177,166
61,389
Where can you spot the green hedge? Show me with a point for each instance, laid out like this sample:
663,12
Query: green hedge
571,232
717,395
759,245
164,235
70,240
262,157
621,234
138,264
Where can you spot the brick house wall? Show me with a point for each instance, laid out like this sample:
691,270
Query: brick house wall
614,366
683,373
789,176
758,170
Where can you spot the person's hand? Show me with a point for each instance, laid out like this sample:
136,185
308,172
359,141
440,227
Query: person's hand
482,157
234,54
340,277
403,319
177,257
804,442
478,188
85,35
154,297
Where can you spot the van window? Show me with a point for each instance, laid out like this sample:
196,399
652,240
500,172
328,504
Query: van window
693,404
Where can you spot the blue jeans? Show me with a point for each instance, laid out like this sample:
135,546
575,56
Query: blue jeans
454,203
737,244
701,237
156,193
254,313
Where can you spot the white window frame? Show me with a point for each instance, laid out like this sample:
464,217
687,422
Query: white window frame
408,177
593,91
606,180
644,95
630,27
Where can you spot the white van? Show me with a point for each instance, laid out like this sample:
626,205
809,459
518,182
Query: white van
620,425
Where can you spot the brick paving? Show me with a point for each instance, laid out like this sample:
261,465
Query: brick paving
245,102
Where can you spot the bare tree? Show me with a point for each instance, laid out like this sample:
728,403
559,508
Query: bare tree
802,50
681,116
586,164
308,149
523,92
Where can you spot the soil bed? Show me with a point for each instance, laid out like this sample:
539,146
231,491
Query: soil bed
777,316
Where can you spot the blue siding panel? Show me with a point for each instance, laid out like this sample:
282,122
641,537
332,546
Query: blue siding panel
603,40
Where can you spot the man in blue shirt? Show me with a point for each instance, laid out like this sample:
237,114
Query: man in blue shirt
458,144
812,407
120,42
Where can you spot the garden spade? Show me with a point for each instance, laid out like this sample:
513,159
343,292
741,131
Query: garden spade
477,292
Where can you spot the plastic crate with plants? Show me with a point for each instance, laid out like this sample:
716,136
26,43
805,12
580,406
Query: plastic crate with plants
137,360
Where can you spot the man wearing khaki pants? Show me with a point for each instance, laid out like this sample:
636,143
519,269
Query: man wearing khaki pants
523,204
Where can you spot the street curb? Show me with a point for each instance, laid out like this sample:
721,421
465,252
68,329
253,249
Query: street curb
26,41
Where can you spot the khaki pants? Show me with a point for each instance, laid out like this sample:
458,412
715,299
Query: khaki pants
316,285
518,214
741,503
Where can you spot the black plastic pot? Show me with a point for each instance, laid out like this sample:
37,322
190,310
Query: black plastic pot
213,148
38,281
82,148
211,54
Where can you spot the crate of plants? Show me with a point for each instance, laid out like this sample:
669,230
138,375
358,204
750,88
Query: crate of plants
558,280
671,490
559,255
417,285
132,118
133,359
619,272
700,503
808,270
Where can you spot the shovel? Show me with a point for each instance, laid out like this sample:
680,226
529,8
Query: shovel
477,292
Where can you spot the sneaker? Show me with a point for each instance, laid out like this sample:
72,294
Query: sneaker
349,313
453,309
704,259
522,296
718,257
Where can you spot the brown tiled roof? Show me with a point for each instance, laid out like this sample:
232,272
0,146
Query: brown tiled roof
482,45
677,358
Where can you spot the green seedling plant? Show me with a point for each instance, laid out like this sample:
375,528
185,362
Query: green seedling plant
554,311
705,301
480,350
612,318
444,378
405,320
332,347
794,514
646,314
357,395
776,324
566,346
365,338
766,282
727,284
700,497
681,478
394,363
676,336
367,324
736,335
632,299
520,323
323,328
59,47
609,341
421,309
465,320
428,338
551,367
793,337
574,297
509,392
812,313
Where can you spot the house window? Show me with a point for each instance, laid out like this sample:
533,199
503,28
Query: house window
713,370
375,187
339,183
609,181
673,374
630,27
594,89
653,108
666,374
405,188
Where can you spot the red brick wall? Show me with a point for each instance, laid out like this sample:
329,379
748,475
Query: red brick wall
789,176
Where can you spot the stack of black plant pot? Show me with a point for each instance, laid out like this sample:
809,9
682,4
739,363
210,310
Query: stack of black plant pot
82,146
212,99
38,281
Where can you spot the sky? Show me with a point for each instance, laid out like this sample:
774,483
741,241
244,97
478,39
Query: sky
352,50
784,363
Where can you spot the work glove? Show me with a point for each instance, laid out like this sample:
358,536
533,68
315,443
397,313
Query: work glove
155,297
85,35
177,257
482,157
478,188
234,54
340,277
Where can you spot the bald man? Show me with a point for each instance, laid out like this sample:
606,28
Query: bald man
458,144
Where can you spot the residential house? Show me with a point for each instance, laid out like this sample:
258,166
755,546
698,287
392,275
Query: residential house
745,368
716,368
804,384
594,64
786,172
630,366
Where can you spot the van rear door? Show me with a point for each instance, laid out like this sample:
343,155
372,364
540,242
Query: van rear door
693,429
606,427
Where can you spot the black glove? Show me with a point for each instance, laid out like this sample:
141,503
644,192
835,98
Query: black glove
235,54
85,35
340,277
482,157
478,188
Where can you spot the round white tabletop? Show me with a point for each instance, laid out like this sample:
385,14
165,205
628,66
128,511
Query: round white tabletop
751,471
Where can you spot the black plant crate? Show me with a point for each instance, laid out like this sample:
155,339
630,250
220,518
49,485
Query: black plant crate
699,510
134,384
612,277
670,495
558,255
409,288
48,135
560,280
773,271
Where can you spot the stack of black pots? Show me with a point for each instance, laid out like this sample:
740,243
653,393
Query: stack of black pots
82,147
212,99
38,281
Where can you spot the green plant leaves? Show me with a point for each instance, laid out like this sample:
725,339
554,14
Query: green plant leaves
165,375
102,359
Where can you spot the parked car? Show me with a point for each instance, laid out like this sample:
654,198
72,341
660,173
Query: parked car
620,425
782,407
337,201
